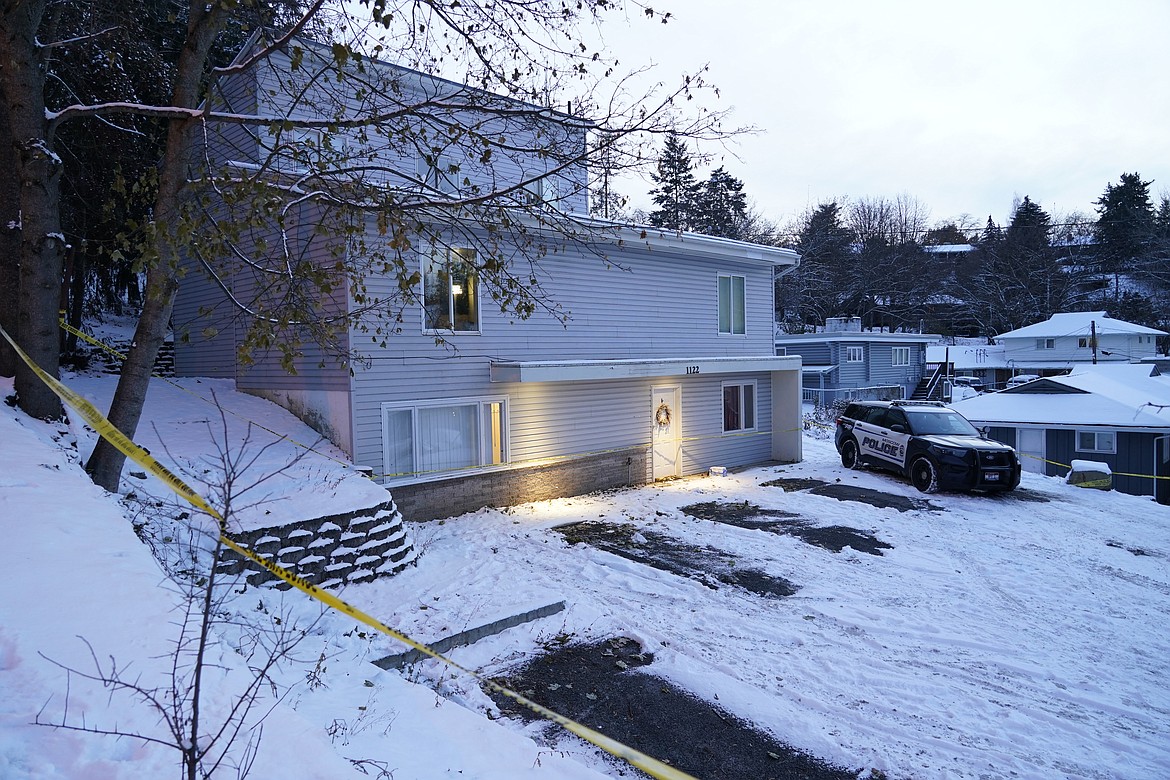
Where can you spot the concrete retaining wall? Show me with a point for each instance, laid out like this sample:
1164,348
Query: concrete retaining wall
507,487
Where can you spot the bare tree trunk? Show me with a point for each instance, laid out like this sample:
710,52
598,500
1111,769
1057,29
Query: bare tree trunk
38,172
105,464
9,239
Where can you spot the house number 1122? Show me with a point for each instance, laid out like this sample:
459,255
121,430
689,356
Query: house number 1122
692,369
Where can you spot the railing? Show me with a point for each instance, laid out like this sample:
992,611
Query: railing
826,398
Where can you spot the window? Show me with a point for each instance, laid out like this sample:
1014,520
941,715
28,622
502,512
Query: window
298,150
443,435
439,173
901,356
731,304
1096,441
855,354
451,291
739,407
1045,343
540,192
1082,343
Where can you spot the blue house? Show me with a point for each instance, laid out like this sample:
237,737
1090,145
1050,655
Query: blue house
1113,413
663,367
844,363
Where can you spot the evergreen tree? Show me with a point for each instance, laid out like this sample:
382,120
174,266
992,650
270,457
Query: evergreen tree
677,191
721,206
819,287
1029,229
1162,221
1125,227
1020,280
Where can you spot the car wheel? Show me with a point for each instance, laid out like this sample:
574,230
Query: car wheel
850,457
923,475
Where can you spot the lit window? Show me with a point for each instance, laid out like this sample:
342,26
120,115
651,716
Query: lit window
1096,441
739,407
731,304
901,356
855,354
451,291
425,438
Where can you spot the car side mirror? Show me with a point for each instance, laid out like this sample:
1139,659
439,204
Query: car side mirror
985,431
898,428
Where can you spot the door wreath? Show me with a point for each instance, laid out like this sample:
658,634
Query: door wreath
662,415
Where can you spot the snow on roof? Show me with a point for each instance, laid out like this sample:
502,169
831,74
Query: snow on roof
943,249
1122,396
968,356
853,335
1079,323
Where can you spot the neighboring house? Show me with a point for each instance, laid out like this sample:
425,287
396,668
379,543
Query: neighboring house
845,363
1054,346
1065,340
1112,413
987,362
664,368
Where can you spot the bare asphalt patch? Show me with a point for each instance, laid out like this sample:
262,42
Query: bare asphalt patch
748,515
862,495
606,687
707,565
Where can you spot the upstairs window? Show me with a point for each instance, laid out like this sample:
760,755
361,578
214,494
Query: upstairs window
1045,343
855,354
451,291
901,356
732,318
439,174
739,407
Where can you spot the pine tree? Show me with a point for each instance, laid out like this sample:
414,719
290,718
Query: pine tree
820,286
677,191
1029,229
721,206
1125,227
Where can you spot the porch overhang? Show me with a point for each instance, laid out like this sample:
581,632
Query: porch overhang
592,370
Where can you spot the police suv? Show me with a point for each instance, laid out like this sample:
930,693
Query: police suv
935,447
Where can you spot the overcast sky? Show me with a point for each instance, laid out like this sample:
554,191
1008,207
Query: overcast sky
963,105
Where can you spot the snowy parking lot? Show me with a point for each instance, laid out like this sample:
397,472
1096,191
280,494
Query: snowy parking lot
839,612
1025,635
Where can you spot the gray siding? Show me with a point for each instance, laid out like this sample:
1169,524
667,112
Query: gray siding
655,306
812,354
1135,455
209,327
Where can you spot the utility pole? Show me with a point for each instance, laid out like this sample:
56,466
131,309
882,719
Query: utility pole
1093,339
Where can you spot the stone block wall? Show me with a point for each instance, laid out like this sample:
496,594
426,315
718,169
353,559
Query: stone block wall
507,487
328,551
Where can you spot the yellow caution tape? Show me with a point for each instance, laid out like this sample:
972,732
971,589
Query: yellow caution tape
106,430
1069,466
107,348
480,467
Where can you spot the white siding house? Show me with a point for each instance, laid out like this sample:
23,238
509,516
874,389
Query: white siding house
662,366
1068,339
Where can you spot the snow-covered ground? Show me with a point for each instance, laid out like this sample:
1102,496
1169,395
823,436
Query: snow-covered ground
998,638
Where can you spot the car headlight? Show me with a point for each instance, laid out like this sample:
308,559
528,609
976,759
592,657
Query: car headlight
951,452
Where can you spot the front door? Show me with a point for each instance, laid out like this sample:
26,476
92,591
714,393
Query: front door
666,431
1030,446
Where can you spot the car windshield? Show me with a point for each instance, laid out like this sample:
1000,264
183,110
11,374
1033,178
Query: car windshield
943,422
